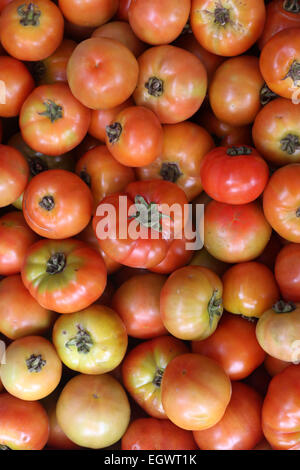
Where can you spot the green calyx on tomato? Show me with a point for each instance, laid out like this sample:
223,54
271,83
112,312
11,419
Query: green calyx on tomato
82,340
56,263
53,111
290,143
215,307
158,378
47,203
113,132
155,86
240,150
170,172
148,215
222,15
30,14
283,307
291,5
3,447
266,95
35,363
294,73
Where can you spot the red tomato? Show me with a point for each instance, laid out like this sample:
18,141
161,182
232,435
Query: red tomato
3,4
14,174
234,346
178,255
88,12
274,366
287,272
121,31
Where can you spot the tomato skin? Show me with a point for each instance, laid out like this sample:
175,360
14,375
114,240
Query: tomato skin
244,24
195,392
70,207
143,369
15,238
184,144
80,283
93,411
249,289
287,272
274,366
204,259
240,428
122,12
121,31
281,202
156,434
234,175
88,13
41,38
227,347
235,233
109,85
173,69
14,174
23,425
176,257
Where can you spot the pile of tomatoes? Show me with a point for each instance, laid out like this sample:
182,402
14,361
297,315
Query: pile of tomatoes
120,339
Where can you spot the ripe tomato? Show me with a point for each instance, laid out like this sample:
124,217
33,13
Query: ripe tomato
172,82
17,321
57,204
234,346
178,255
143,369
92,341
227,28
106,86
52,121
234,175
276,133
191,303
274,366
64,275
287,272
279,63
31,30
234,92
3,4
249,289
135,138
88,12
15,239
24,425
121,31
137,303
235,233
122,12
184,146
159,21
195,392
32,368
204,259
281,202
156,434
14,174
93,411
240,428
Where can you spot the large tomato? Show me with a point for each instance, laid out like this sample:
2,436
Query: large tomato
287,272
195,391
88,12
14,174
143,369
31,30
227,28
93,411
172,82
122,12
64,275
178,255
234,346
121,31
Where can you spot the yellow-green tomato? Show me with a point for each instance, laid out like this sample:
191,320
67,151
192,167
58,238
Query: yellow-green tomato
92,341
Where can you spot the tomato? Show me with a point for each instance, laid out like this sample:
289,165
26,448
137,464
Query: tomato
172,82
143,369
121,31
92,341
24,425
106,86
274,366
88,143
263,445
204,259
159,21
279,63
235,233
135,138
64,275
31,30
280,412
15,239
249,289
32,369
191,302
240,427
52,121
122,12
281,202
93,411
234,175
195,392
57,204
144,241
227,28
137,303
184,147
88,12
276,134
287,272
14,174
17,321
3,4
178,255
156,434
234,92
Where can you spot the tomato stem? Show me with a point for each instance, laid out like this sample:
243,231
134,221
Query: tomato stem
30,14
298,212
294,73
85,177
240,150
291,6
113,132
37,165
155,86
82,340
222,15
290,143
170,172
215,307
56,263
47,203
283,307
35,363
266,95
158,378
53,111
3,447
148,215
